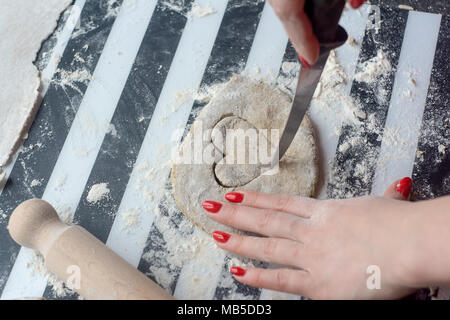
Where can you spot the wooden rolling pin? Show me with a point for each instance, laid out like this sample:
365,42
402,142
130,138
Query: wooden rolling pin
77,257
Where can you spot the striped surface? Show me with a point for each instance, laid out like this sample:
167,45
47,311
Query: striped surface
147,53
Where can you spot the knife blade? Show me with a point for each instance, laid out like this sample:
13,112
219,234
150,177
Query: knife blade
324,16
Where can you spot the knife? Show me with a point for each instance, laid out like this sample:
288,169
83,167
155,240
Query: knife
324,16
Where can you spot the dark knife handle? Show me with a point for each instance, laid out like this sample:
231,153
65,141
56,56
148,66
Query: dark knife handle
325,16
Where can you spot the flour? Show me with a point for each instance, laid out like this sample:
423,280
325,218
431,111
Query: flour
131,219
70,79
112,130
352,42
113,8
37,266
3,216
201,11
35,183
374,68
405,7
331,100
290,67
97,193
174,5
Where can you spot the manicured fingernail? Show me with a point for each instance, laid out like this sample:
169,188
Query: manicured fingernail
304,62
356,3
237,271
404,187
211,206
220,236
234,197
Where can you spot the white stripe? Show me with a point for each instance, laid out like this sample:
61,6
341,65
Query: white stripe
88,130
269,46
404,119
325,124
61,43
183,79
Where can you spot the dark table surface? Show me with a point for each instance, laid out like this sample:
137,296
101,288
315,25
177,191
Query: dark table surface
137,103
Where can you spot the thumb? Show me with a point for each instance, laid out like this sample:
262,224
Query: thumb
399,190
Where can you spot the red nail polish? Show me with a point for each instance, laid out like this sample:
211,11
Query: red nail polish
304,62
211,206
356,3
221,237
404,187
237,271
234,197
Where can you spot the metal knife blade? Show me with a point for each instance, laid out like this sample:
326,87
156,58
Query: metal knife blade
324,16
306,86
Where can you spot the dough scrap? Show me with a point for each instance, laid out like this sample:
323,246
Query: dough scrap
24,25
243,103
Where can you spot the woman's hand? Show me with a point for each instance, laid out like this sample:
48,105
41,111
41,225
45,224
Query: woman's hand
298,27
326,246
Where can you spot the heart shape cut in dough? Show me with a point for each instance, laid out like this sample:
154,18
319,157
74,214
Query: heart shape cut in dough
203,171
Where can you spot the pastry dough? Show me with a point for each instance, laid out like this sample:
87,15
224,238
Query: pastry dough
24,25
244,104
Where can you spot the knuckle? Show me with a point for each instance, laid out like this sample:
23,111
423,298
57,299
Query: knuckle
283,202
297,253
281,279
258,280
270,247
264,220
297,230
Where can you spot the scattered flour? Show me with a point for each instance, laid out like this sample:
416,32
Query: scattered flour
69,79
405,7
37,266
35,183
60,182
201,11
331,98
113,8
131,220
97,193
112,130
374,68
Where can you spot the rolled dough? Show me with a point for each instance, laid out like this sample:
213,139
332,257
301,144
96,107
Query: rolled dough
24,25
243,103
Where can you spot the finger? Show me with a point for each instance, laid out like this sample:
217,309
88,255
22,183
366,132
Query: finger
299,206
262,221
399,190
286,280
298,27
273,250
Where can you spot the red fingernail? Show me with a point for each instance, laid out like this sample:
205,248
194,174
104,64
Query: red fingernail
221,237
404,187
237,271
356,3
234,197
304,62
211,206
